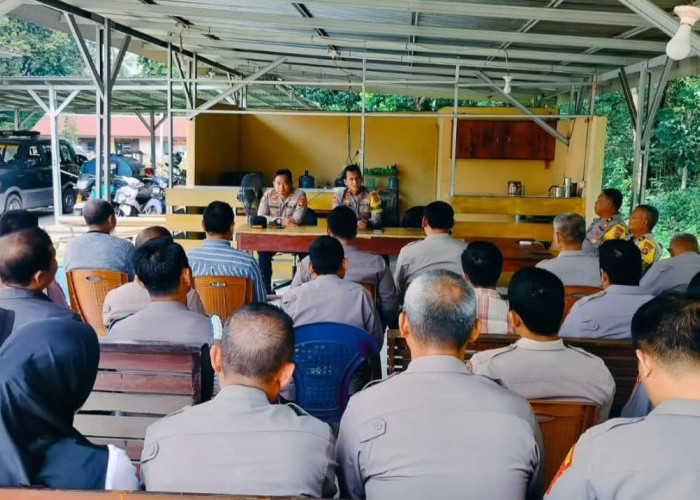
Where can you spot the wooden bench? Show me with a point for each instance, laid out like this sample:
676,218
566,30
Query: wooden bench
45,494
618,356
138,383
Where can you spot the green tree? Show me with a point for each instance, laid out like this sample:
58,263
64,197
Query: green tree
148,68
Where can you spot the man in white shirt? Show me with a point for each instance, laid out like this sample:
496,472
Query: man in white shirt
675,273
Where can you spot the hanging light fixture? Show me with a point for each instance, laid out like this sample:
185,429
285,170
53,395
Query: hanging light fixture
507,88
679,46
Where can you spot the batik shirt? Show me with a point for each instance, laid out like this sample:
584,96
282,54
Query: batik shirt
367,205
273,206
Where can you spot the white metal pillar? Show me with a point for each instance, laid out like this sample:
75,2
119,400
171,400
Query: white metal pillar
455,111
99,107
107,106
639,150
170,114
363,117
55,155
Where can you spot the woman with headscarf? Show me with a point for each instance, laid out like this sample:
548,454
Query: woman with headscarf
47,370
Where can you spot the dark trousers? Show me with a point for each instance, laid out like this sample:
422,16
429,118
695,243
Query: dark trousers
265,263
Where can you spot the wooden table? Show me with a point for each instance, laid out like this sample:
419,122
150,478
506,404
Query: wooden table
389,242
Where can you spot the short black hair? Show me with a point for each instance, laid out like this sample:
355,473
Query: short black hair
158,264
23,253
218,217
482,262
622,262
615,196
342,222
14,220
440,215
668,328
326,255
351,168
287,173
258,339
97,212
652,214
537,296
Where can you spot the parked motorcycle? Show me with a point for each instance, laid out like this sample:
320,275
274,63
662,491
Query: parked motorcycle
134,196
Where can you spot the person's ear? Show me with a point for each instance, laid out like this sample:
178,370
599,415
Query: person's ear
139,282
215,355
466,277
404,327
203,228
346,264
186,278
424,222
113,220
285,374
311,269
604,278
40,279
476,331
328,231
514,319
646,364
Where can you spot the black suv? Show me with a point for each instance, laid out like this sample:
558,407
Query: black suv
26,179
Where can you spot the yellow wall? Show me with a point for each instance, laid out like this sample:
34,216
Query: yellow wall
213,147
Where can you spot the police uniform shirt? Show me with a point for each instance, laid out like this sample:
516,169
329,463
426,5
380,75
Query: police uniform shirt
437,251
363,267
600,230
367,205
438,431
574,268
651,250
631,459
273,206
605,315
329,298
549,370
671,275
639,404
131,298
164,321
239,444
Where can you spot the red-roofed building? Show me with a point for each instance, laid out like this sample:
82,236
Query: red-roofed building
129,135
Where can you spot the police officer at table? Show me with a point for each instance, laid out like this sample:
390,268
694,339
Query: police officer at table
366,204
609,224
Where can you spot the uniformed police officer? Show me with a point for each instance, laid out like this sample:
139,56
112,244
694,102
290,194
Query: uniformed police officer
366,204
239,443
607,314
436,430
539,365
609,224
641,224
675,273
655,456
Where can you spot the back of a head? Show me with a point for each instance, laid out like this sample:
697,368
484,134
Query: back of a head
258,340
326,255
159,264
151,233
440,307
482,262
622,262
97,212
537,296
651,213
342,222
680,243
22,254
668,328
14,220
615,196
571,227
218,217
440,215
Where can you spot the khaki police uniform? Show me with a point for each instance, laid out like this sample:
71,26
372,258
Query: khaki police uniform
605,315
600,230
437,431
671,275
549,370
367,205
329,298
437,251
650,248
131,298
655,457
273,206
364,268
574,268
639,404
239,444
165,321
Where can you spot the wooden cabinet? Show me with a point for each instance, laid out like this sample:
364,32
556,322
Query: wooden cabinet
504,140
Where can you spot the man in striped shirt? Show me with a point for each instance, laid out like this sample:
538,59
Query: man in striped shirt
216,257
482,263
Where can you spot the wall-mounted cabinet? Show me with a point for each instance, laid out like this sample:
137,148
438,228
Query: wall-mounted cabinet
504,140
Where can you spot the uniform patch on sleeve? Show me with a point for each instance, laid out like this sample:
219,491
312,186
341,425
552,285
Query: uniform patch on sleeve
372,429
568,460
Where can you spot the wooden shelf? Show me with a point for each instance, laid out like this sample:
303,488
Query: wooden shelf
516,205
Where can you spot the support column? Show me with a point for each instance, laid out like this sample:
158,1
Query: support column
152,133
639,150
455,110
170,114
107,106
364,115
99,108
55,156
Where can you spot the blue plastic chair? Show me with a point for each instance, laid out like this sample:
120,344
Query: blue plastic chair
327,355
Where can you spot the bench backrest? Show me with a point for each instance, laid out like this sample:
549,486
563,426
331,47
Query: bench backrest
138,383
43,494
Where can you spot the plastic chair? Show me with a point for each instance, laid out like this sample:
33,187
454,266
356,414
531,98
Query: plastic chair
327,355
573,293
87,289
223,295
413,217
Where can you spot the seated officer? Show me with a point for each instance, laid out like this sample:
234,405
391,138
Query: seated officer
539,365
436,430
363,267
162,268
482,263
329,297
655,456
239,443
365,204
609,224
27,266
437,251
607,314
573,266
641,224
675,273
131,297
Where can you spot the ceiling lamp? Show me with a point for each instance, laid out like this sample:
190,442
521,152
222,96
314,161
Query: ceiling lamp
679,46
507,87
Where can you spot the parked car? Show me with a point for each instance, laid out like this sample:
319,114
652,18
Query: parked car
26,178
